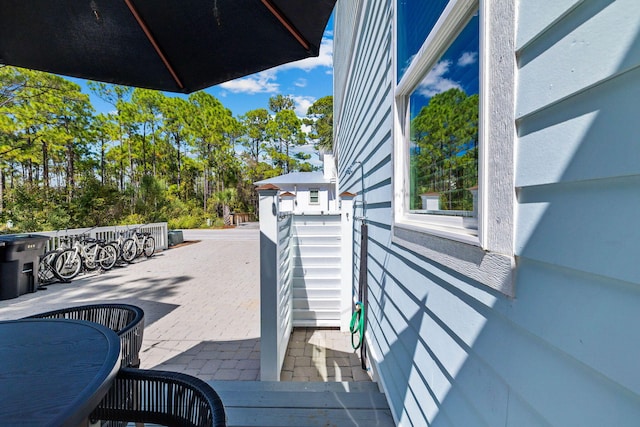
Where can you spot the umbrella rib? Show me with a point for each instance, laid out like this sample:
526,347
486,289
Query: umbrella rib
285,22
155,45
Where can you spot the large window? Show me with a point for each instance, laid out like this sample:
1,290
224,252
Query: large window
454,128
443,130
438,99
416,19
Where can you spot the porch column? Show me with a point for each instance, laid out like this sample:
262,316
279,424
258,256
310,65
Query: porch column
346,268
269,369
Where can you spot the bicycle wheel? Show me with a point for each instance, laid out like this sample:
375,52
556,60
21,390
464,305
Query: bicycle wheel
67,264
149,246
116,245
139,244
92,255
129,250
107,256
46,271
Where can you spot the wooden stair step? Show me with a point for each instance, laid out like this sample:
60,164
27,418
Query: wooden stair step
310,400
303,386
288,404
295,417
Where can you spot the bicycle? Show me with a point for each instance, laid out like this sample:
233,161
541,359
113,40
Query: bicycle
145,243
66,263
86,252
47,272
126,247
101,254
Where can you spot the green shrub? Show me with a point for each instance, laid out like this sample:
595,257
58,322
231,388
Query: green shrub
186,222
133,219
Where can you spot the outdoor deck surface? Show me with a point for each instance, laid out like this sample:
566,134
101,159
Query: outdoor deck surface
202,311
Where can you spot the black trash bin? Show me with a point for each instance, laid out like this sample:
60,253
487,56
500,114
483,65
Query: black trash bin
19,262
175,237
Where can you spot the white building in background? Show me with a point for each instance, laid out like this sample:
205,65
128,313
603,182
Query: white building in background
308,192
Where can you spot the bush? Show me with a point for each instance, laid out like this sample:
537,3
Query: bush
186,222
218,223
134,219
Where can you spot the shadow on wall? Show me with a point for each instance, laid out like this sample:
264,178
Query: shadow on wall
562,352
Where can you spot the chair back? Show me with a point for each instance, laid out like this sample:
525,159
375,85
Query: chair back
161,397
124,319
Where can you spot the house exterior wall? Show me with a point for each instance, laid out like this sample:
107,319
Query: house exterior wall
302,204
450,351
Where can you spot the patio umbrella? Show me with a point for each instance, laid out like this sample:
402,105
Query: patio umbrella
169,45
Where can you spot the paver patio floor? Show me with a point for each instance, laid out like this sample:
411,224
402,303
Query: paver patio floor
202,312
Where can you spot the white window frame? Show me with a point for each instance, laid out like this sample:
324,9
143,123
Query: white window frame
311,202
485,254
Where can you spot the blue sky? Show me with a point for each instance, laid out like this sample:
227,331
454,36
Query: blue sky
305,81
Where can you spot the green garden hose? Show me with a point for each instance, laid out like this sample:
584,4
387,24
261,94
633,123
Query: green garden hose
357,325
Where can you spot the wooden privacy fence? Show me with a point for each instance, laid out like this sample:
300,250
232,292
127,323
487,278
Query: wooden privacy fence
238,218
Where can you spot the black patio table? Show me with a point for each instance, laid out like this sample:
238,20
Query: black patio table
54,372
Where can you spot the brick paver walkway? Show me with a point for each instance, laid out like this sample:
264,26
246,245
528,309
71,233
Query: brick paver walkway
202,311
321,355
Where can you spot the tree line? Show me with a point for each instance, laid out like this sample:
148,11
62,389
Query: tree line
150,158
445,150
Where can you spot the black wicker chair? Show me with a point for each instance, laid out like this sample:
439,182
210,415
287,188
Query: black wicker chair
161,397
124,319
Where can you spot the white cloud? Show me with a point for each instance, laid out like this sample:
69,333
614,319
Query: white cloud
407,63
435,82
262,82
467,58
302,104
265,81
306,128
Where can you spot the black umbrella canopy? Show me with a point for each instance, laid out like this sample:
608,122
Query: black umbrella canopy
169,45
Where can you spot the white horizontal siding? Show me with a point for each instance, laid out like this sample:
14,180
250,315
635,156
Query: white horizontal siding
329,240
577,178
587,226
345,32
316,270
537,16
589,45
452,352
584,316
370,55
564,143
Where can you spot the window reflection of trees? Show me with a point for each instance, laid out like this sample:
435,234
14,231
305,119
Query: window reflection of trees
444,154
